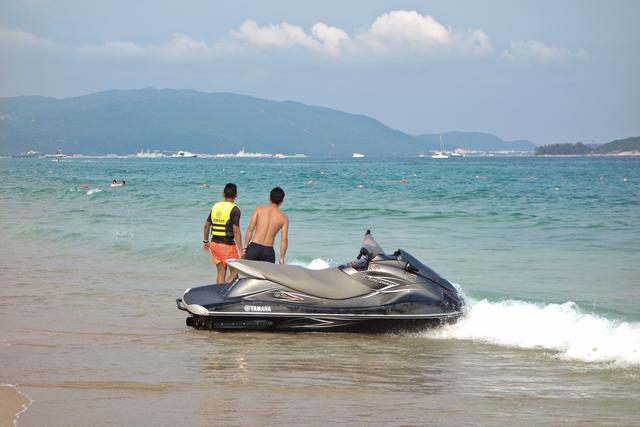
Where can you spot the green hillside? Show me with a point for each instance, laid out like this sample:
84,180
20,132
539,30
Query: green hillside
170,120
620,145
631,144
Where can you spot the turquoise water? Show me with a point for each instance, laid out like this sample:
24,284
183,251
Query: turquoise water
545,229
536,230
546,250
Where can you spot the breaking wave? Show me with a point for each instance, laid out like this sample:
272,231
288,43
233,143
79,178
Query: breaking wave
559,327
315,264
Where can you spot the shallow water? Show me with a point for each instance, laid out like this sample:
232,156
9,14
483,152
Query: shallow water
90,331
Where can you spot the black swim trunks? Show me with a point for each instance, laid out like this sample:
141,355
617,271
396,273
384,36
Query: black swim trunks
257,252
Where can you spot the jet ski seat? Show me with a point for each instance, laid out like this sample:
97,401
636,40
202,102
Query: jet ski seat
330,283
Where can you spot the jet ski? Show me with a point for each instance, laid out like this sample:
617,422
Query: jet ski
376,292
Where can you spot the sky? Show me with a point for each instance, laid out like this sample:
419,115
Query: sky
547,71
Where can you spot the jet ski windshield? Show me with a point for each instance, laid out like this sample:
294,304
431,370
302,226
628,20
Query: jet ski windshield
370,245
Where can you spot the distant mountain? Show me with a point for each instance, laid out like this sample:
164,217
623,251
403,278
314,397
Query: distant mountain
170,120
476,141
631,144
619,146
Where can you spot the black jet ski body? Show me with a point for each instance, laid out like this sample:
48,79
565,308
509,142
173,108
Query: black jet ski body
377,292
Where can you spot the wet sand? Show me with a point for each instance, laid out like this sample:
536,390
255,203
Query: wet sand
12,403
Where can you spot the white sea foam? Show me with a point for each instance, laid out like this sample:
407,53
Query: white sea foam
93,191
315,264
558,327
561,328
318,264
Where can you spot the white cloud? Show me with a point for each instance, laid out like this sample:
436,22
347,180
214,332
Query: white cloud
391,34
323,38
330,37
402,31
179,48
281,35
532,51
398,34
22,39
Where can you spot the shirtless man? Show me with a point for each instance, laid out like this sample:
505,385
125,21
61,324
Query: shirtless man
265,224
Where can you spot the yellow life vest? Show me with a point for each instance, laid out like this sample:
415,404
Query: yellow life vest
221,220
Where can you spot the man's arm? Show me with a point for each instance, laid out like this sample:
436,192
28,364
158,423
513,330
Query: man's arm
207,229
238,238
250,229
235,226
284,240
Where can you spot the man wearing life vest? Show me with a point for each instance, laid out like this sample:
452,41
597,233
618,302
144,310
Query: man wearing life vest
223,223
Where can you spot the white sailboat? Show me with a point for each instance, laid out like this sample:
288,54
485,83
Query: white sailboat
357,155
440,154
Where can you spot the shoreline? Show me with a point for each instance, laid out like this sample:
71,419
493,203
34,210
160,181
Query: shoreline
620,154
205,156
13,403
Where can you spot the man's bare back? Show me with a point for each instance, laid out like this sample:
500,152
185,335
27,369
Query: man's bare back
269,221
266,222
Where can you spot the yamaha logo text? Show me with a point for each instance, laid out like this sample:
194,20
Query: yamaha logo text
257,308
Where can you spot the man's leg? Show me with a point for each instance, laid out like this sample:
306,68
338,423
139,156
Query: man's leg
221,273
232,276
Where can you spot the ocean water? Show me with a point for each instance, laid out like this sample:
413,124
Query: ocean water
546,250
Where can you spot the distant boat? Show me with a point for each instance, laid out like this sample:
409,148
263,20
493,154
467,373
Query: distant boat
456,154
184,154
56,157
357,155
440,154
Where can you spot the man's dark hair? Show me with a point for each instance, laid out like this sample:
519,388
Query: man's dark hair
230,191
277,195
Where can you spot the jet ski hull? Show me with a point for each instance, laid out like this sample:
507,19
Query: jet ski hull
287,318
315,323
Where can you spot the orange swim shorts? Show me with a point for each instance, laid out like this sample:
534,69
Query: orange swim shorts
221,252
